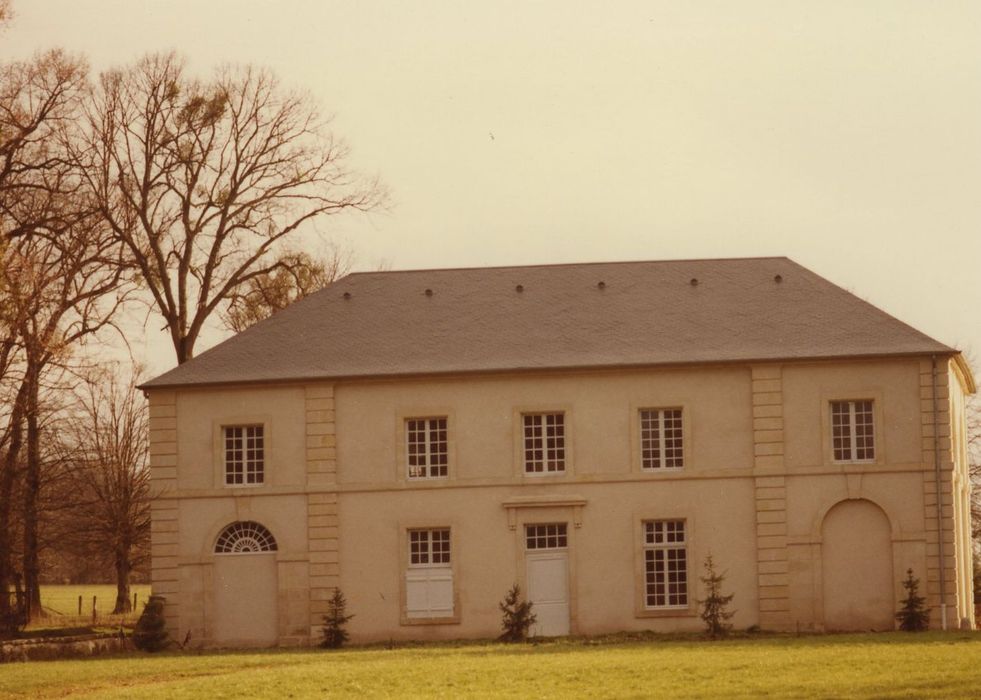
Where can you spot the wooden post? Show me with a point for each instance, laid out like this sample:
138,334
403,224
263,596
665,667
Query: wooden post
134,601
79,606
93,610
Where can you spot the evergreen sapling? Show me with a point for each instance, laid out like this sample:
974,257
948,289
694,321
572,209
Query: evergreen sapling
517,617
913,617
334,633
714,608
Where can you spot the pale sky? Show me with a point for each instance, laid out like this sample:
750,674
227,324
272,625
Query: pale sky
845,135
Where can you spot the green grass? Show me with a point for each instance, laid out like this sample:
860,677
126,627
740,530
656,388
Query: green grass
63,600
896,665
61,605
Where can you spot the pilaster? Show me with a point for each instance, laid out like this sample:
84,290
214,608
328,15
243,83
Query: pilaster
322,516
937,440
164,523
771,497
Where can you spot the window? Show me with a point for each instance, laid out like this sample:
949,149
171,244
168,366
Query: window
429,577
544,443
665,564
426,447
429,547
244,454
552,536
245,537
852,431
661,444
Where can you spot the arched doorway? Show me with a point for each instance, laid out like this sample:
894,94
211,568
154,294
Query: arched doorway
245,610
857,567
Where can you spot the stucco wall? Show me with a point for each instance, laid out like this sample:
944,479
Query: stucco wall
757,485
601,409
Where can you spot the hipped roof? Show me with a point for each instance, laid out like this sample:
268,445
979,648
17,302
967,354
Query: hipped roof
420,322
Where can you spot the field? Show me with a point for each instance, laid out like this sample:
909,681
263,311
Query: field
930,665
61,604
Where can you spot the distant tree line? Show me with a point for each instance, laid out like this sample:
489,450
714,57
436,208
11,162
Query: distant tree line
142,187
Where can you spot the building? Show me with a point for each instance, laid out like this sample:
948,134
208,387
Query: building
425,439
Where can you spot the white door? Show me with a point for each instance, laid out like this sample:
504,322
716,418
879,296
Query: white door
245,600
548,591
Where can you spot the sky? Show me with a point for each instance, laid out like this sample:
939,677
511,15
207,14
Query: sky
844,135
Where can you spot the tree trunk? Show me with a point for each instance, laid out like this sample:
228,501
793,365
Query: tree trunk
32,490
123,602
7,479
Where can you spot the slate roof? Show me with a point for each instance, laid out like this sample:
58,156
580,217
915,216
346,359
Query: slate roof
375,324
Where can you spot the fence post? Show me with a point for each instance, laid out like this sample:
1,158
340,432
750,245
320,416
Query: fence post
134,601
93,610
79,606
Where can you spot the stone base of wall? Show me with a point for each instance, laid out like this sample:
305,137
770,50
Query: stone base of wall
66,648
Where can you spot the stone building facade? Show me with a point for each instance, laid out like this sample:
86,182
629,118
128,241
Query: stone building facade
423,440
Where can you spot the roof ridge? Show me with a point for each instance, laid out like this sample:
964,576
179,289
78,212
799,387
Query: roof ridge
553,265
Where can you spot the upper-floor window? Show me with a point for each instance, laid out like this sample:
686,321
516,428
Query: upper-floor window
665,564
661,445
852,431
426,447
245,454
544,442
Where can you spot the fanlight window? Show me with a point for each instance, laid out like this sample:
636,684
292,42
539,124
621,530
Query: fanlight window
244,537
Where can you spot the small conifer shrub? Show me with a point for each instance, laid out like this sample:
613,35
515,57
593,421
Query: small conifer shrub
714,609
334,633
517,617
913,616
150,633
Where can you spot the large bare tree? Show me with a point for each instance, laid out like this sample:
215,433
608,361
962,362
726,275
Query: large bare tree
64,273
106,454
206,181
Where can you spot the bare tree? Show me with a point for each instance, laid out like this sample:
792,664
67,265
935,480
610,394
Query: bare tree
39,100
47,254
63,268
204,181
66,285
296,275
106,452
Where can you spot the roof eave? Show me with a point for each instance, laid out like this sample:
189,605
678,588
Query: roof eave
945,351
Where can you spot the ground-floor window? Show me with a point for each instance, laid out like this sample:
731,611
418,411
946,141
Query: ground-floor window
550,536
665,564
429,576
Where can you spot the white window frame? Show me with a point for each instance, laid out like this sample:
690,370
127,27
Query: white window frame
546,536
854,408
560,435
667,544
253,469
430,449
429,576
658,442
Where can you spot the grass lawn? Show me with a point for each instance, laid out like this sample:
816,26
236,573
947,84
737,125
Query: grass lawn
895,665
63,600
61,604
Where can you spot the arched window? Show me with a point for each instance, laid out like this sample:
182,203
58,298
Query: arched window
245,536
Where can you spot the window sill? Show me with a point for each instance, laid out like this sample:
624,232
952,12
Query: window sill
666,612
416,621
